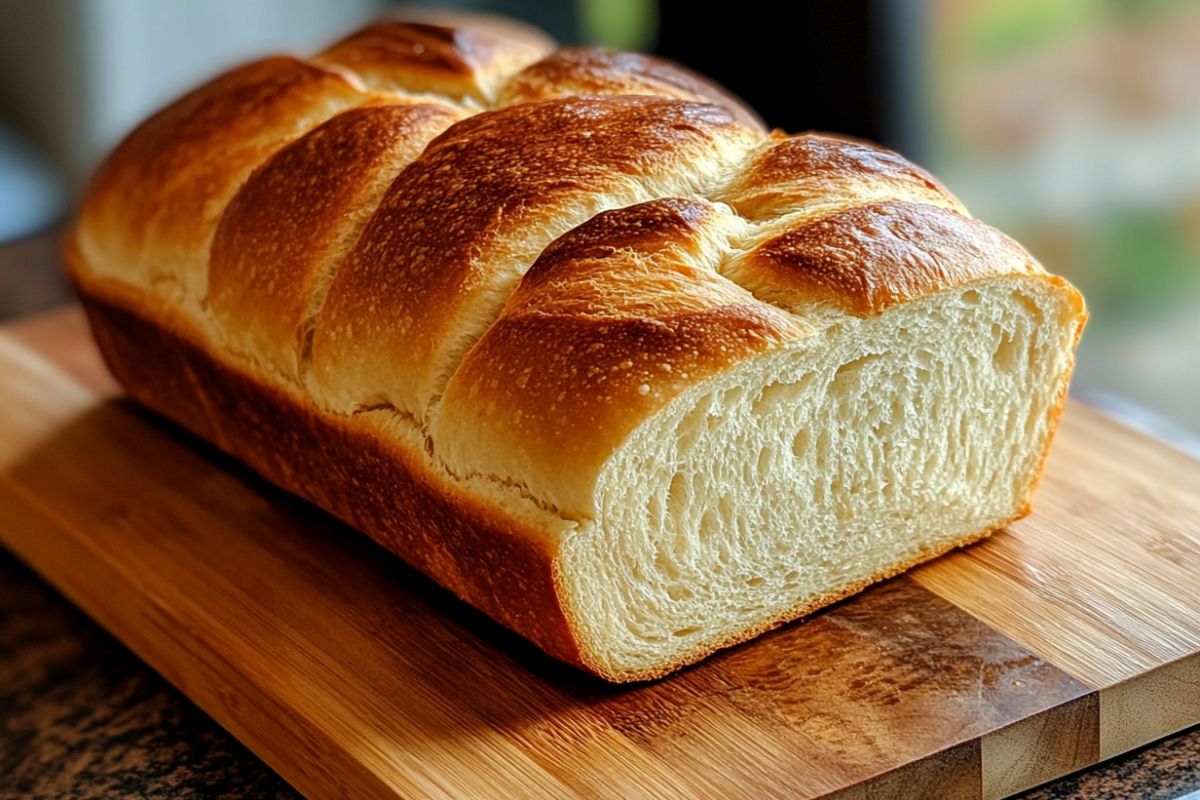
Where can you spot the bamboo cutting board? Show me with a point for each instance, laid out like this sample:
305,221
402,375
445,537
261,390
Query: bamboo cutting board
1069,638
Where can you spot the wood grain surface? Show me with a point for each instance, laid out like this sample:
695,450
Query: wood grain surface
1071,637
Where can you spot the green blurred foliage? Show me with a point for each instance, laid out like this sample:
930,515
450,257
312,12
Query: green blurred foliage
1138,262
1000,29
619,24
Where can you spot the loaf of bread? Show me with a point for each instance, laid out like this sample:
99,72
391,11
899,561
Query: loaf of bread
573,335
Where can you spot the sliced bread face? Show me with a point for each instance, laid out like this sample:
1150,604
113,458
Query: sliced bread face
806,473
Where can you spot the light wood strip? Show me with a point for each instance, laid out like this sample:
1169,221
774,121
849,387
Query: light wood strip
1038,749
1150,706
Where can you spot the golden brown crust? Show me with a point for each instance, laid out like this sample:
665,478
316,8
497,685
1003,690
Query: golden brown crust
175,173
597,269
417,57
460,222
296,215
590,70
868,258
347,466
795,171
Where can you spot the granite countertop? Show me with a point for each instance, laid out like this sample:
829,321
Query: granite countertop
82,717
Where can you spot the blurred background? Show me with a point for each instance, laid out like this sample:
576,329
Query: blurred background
1074,125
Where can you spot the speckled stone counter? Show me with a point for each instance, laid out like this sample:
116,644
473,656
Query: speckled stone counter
1168,770
82,717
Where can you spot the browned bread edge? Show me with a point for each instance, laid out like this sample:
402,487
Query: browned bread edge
483,555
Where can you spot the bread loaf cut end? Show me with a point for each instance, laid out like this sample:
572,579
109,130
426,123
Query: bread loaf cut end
802,475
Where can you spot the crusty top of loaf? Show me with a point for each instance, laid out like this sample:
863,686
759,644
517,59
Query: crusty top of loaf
413,57
289,218
797,172
588,70
868,257
464,220
149,212
524,254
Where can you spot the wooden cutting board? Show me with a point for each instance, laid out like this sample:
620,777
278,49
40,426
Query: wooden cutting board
1069,638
